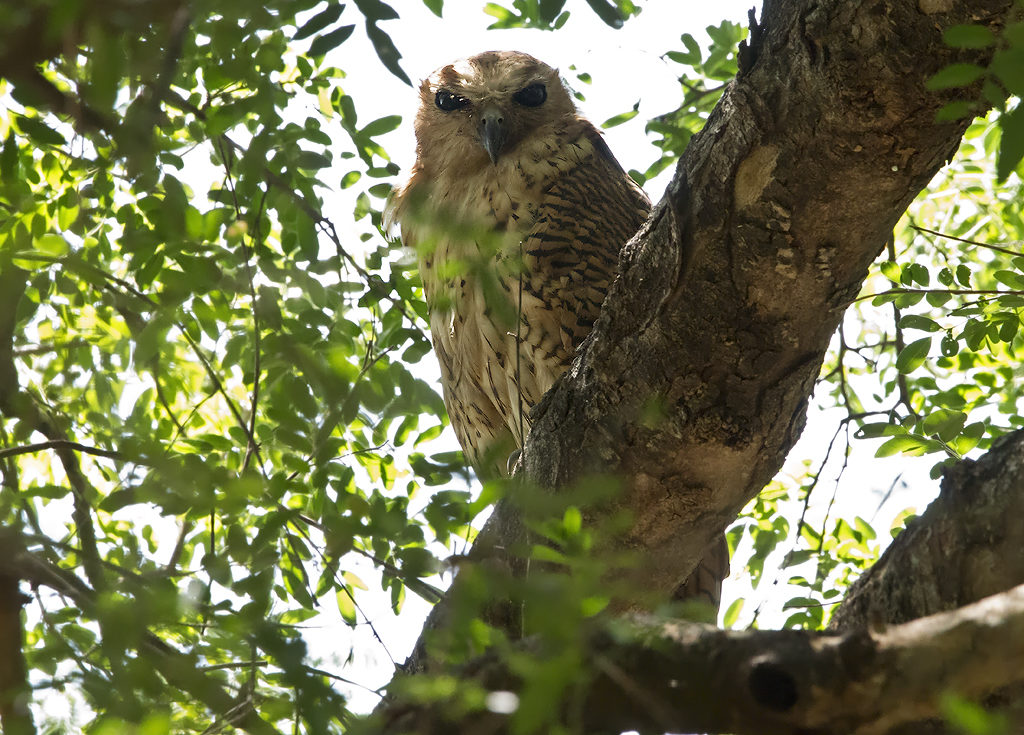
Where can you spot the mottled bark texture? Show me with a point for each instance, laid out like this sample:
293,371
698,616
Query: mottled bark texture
967,545
694,383
729,298
15,691
656,676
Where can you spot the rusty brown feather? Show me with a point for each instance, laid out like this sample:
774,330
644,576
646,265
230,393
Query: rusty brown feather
517,210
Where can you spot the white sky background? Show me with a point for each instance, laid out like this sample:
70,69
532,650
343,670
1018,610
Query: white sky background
626,66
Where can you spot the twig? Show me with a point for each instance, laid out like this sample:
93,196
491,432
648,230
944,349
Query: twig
998,249
64,444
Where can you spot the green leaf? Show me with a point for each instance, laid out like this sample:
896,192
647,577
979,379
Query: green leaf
691,56
946,424
968,36
621,117
376,10
970,718
956,110
1008,66
9,156
435,6
1013,279
387,52
572,520
919,274
732,613
311,160
548,10
910,444
916,321
322,44
955,75
869,431
800,602
607,12
963,275
543,553
890,270
382,125
52,244
1011,146
913,355
969,438
319,21
40,133
346,605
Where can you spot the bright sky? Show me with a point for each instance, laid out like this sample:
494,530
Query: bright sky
626,64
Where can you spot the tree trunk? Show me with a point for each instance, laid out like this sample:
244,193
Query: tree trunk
728,297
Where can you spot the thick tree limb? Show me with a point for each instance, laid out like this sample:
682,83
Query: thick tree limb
684,677
728,297
967,545
728,300
672,677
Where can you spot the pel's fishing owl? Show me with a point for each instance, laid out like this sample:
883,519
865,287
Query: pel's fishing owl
517,210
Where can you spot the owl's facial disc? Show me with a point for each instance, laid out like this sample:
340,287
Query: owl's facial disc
493,131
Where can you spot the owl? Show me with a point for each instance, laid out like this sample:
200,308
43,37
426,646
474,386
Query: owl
517,210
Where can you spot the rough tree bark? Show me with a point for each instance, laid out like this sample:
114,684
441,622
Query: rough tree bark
728,297
967,545
868,677
664,676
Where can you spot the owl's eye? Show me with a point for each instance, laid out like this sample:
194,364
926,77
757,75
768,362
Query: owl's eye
532,96
448,101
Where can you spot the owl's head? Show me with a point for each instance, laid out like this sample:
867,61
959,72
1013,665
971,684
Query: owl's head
478,110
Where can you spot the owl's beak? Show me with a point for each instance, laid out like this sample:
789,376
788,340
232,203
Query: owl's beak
493,131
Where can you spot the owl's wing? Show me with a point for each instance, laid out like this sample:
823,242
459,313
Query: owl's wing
572,250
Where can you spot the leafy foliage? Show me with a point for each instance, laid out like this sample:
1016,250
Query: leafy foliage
702,80
550,15
1001,85
229,364
213,416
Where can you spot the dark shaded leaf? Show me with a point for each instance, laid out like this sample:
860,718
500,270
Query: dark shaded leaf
607,12
386,52
955,75
322,44
319,21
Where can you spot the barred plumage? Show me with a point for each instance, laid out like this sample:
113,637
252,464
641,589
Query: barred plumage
518,211
517,245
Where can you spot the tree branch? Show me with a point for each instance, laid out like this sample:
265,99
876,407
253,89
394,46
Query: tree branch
15,715
728,297
981,552
62,444
179,669
658,676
